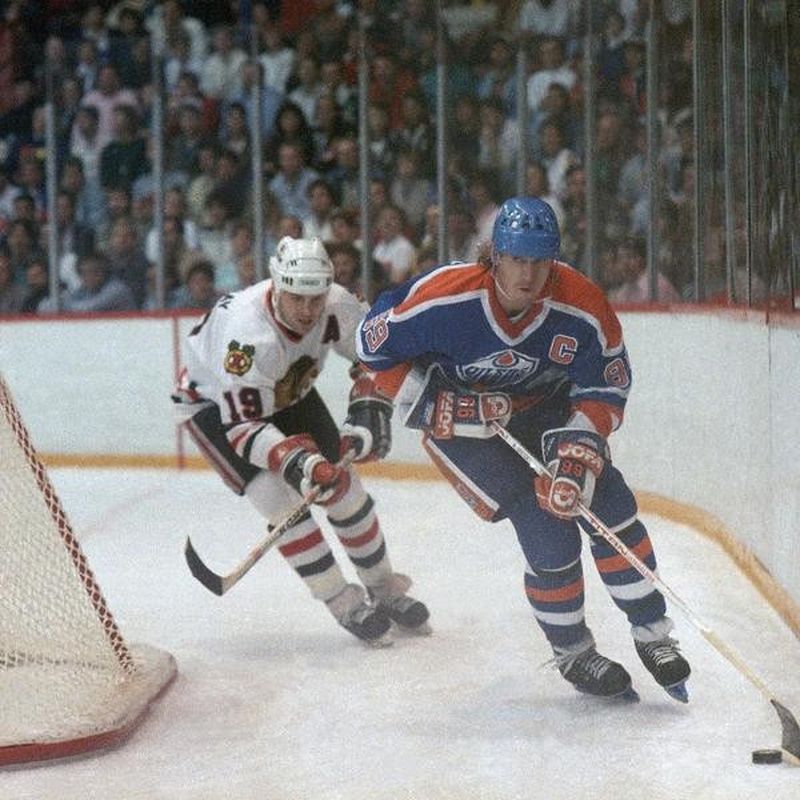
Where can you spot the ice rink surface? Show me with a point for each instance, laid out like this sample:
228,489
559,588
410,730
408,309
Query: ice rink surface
274,701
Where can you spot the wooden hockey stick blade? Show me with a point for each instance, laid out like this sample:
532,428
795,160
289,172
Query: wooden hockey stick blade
209,579
790,729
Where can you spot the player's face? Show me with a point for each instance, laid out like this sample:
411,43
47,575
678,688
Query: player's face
520,280
300,312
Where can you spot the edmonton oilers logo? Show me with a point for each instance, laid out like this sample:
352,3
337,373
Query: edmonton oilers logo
502,368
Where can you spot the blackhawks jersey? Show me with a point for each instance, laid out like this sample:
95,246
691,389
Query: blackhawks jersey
450,318
241,357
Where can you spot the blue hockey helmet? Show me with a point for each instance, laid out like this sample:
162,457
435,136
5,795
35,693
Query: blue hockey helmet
526,227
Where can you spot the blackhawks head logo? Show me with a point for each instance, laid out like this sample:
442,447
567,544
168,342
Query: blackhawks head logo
239,358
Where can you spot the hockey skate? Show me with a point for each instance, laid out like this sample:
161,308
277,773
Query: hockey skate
665,663
410,615
369,623
591,673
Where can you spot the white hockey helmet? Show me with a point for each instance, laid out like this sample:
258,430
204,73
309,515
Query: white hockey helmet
301,266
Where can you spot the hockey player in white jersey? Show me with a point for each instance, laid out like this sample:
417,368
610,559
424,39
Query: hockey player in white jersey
247,396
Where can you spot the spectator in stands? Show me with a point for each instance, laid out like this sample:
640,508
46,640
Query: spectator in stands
381,148
290,184
106,97
99,290
202,184
307,88
241,243
322,201
463,136
394,252
291,127
221,72
8,192
22,241
633,183
175,211
87,68
169,17
537,185
12,293
346,260
498,142
611,56
124,158
334,83
37,284
499,77
410,191
119,203
328,127
277,58
344,174
389,83
573,231
416,132
483,197
611,148
234,133
463,244
199,290
626,277
344,227
127,257
547,18
183,150
555,157
214,235
271,99
85,142
75,239
553,69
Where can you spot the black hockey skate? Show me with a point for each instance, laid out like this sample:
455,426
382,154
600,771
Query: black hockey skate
409,614
591,673
665,663
369,623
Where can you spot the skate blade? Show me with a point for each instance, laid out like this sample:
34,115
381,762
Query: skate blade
629,695
405,631
380,642
678,692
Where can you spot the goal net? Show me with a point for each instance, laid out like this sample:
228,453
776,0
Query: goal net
69,682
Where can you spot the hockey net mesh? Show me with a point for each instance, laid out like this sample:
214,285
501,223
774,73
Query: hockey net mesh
66,672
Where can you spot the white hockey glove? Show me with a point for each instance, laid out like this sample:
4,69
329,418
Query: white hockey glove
303,467
576,459
367,428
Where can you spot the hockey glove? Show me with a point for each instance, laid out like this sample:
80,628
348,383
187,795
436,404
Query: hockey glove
299,461
575,459
468,414
367,428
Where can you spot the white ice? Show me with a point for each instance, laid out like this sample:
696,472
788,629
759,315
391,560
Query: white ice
275,702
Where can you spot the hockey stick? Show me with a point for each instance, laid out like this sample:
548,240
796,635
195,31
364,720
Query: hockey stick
790,741
219,584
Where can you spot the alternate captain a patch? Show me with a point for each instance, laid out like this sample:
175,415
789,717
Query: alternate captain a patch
239,358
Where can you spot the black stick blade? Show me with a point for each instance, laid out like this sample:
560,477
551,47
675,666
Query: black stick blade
790,740
209,579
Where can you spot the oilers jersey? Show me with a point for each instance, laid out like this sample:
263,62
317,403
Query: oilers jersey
569,340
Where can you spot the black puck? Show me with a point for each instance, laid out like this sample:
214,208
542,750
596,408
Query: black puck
767,756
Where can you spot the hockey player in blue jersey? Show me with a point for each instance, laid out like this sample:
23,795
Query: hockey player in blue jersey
524,339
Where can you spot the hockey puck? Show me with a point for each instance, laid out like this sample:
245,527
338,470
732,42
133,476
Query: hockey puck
767,756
